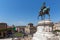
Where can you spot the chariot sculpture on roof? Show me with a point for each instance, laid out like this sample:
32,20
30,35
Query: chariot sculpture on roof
44,10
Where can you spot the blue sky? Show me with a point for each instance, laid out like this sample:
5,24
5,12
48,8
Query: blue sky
22,12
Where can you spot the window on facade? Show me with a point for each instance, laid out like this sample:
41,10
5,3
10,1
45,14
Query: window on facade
0,33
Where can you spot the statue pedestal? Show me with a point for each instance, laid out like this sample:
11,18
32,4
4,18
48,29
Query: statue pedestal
44,31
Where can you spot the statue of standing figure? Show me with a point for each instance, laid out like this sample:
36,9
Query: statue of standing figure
44,10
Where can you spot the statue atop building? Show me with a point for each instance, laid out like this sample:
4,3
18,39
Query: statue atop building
44,10
45,26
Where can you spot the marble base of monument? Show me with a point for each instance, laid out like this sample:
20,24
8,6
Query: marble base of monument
44,31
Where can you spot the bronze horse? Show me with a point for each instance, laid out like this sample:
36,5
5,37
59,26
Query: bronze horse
44,11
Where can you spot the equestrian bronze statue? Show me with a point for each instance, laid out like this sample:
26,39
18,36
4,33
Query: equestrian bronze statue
44,10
